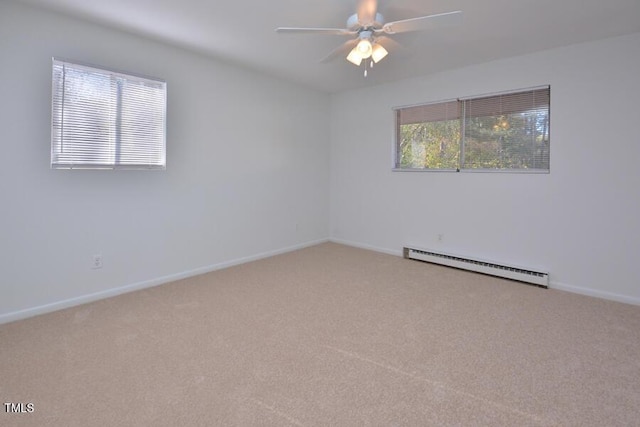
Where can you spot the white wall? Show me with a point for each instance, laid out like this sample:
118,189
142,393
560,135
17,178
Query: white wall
581,222
247,161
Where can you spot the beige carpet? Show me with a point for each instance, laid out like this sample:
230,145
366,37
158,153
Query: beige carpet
328,335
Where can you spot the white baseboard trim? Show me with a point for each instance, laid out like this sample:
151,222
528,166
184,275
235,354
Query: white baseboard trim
84,299
71,302
368,247
594,293
552,285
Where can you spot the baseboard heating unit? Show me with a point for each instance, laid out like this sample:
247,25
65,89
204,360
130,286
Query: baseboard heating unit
520,274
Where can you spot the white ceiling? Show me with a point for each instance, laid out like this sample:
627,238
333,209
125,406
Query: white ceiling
242,32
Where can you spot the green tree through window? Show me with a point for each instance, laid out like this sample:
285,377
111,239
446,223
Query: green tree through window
430,145
498,132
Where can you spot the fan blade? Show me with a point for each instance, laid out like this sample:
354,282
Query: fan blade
367,10
422,23
389,43
341,50
330,31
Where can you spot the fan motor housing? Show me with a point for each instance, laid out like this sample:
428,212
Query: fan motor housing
354,24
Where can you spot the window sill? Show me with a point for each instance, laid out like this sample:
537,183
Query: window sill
509,171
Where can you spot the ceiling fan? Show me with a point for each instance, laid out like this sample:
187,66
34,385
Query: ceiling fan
369,32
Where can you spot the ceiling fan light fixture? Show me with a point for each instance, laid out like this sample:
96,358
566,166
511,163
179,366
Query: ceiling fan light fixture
354,57
367,26
378,52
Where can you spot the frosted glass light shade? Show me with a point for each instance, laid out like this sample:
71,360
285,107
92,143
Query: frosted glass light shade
364,48
378,52
354,56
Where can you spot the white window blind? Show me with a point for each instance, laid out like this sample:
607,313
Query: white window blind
103,119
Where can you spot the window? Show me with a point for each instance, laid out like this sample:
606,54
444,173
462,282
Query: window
508,131
104,119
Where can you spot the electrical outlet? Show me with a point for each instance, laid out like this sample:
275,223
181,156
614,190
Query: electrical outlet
96,261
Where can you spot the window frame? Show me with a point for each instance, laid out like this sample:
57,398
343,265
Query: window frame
461,142
118,135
